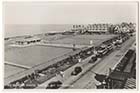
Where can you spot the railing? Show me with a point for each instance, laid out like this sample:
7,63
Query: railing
17,65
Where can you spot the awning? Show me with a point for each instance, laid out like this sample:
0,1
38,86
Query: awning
120,76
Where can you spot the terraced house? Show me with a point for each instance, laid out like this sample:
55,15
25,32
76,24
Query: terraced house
92,27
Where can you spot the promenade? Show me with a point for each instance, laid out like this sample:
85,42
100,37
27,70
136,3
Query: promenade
19,75
86,80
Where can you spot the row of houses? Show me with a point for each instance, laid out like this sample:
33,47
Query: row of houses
117,28
91,27
125,27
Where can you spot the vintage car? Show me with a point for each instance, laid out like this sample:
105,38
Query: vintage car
102,51
54,85
76,71
93,59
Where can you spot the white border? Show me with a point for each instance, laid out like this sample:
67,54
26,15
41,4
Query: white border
67,90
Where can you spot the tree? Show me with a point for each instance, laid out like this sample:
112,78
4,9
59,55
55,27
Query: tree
100,77
111,29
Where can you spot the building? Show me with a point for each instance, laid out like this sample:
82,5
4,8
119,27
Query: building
98,27
125,27
124,75
27,41
91,28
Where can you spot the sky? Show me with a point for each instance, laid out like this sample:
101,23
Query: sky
69,12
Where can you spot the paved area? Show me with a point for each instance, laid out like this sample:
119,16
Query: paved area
10,70
88,81
85,80
42,51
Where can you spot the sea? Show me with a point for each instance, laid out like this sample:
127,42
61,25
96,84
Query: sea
12,30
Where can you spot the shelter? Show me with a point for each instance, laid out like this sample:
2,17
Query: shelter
27,41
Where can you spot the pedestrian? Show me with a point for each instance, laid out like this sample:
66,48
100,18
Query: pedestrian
79,60
62,74
98,85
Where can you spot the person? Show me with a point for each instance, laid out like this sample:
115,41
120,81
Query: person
91,42
98,84
79,60
22,84
62,74
89,52
17,85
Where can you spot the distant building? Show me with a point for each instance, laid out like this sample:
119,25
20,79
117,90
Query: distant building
98,27
91,28
125,27
78,28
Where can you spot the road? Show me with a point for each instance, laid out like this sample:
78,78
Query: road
88,81
85,80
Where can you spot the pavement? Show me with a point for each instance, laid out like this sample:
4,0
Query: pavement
20,75
86,80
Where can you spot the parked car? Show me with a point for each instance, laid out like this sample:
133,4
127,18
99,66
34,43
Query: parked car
102,51
93,59
76,71
110,47
54,85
